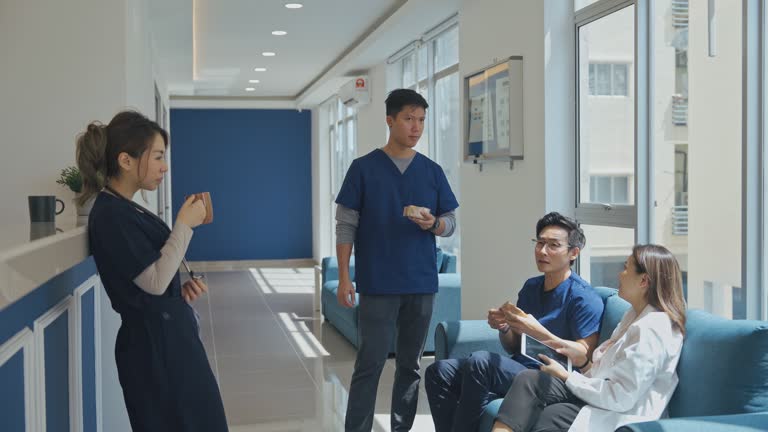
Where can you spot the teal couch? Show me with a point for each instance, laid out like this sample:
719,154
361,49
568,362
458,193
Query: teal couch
723,369
447,305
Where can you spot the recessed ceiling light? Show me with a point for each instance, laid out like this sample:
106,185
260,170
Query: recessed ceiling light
279,33
260,70
268,54
294,5
253,81
249,89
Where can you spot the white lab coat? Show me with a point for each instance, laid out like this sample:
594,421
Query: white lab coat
632,375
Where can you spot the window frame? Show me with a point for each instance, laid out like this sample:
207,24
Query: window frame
608,214
762,146
339,118
396,71
754,244
413,51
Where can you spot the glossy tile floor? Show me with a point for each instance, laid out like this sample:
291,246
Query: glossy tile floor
280,368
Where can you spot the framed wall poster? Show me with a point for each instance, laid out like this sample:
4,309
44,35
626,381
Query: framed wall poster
493,106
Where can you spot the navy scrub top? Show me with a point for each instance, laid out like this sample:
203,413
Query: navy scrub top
124,242
163,369
393,255
571,311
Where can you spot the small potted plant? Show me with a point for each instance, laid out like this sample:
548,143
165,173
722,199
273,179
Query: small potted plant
71,178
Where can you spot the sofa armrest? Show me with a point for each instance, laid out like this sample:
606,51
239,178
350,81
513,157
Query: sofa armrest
330,269
458,339
752,422
449,263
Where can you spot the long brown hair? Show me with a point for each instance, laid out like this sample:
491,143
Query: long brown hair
99,146
665,281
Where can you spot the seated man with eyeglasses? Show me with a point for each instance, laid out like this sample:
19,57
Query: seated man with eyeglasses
558,305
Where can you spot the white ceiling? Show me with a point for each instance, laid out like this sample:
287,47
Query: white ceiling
211,47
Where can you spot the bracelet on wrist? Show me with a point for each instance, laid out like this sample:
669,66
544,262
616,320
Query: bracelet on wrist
584,365
506,330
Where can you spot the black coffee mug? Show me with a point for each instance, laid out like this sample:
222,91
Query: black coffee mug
42,229
43,208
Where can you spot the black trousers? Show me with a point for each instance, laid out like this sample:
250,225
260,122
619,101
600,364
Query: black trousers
380,319
538,402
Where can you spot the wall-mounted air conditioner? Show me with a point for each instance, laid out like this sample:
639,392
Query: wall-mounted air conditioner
356,92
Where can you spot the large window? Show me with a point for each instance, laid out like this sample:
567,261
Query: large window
431,67
341,138
606,141
757,192
697,142
676,136
606,125
604,254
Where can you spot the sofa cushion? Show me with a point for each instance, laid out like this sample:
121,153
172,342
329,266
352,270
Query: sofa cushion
754,422
723,367
615,307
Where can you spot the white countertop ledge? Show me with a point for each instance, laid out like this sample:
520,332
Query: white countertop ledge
25,267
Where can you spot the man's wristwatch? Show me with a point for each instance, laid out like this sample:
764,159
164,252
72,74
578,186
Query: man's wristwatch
435,225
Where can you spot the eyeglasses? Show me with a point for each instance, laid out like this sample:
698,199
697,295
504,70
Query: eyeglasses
551,245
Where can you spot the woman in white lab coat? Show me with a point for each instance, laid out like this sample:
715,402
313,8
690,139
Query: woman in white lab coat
630,377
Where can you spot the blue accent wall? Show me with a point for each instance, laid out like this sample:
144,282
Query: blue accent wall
12,394
257,166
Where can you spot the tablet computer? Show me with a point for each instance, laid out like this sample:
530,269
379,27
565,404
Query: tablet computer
531,348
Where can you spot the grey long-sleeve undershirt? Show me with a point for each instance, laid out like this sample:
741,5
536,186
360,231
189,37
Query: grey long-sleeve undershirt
158,275
348,219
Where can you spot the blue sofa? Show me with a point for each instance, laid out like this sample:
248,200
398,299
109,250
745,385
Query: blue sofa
723,369
447,305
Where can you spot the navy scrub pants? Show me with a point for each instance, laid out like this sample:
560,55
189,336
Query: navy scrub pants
459,389
167,381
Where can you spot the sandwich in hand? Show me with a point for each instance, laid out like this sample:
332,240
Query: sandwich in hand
413,211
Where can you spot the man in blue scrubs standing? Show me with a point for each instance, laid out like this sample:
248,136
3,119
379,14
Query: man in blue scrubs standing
395,258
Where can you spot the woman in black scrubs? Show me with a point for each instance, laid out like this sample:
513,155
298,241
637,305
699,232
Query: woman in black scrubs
167,381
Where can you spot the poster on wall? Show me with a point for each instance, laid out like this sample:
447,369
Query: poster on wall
494,111
502,112
476,125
